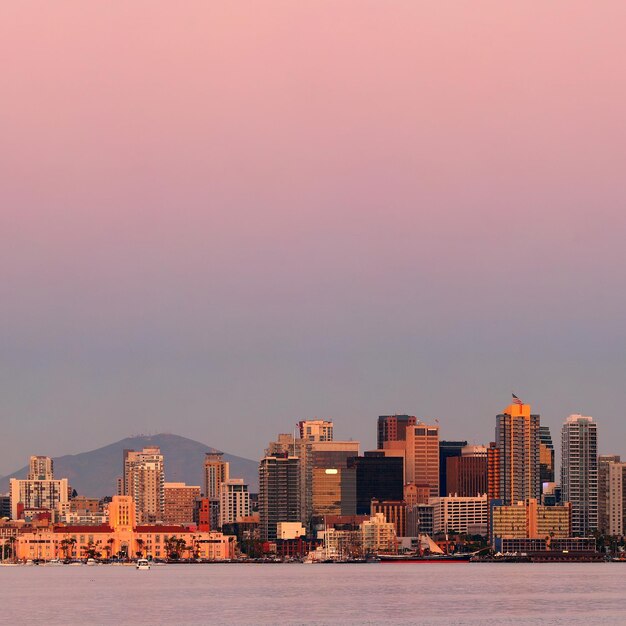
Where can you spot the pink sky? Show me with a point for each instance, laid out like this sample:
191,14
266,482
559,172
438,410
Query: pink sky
282,209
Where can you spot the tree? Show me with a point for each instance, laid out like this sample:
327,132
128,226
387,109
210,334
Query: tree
140,544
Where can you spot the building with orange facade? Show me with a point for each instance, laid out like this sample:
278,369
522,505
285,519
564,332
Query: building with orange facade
123,537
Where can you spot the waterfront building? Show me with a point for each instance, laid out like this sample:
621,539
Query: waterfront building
579,472
393,428
234,501
180,503
531,520
546,456
460,514
40,491
466,475
379,535
448,450
611,495
517,440
122,537
279,492
316,430
144,481
378,477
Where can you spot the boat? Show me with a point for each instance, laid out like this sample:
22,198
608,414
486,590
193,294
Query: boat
54,562
427,558
142,564
91,562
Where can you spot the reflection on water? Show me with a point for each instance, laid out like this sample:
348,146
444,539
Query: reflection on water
317,594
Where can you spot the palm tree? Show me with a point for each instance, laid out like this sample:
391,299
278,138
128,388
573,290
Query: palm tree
140,543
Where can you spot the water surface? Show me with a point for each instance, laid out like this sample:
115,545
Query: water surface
406,593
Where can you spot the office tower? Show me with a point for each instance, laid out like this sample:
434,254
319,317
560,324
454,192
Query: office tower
447,450
422,456
332,482
316,430
279,492
377,477
216,472
234,501
39,492
393,428
40,468
579,472
467,474
517,439
144,481
611,495
546,456
180,503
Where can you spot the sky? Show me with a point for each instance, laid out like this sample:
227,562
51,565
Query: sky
218,218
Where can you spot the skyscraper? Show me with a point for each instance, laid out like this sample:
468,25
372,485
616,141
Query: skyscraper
546,455
579,472
517,440
40,468
422,457
216,472
144,481
234,501
447,450
378,477
393,428
279,492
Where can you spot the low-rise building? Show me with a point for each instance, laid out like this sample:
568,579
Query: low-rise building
460,514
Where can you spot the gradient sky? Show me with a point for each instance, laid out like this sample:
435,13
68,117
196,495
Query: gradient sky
217,218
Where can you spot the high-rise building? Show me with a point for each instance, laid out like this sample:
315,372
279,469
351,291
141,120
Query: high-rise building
216,472
234,501
611,495
377,477
466,475
332,482
40,492
279,492
579,472
180,503
517,439
316,430
40,468
546,456
422,456
144,481
447,450
393,428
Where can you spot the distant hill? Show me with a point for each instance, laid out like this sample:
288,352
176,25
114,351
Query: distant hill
94,473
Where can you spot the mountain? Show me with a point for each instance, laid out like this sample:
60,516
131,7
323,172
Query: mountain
95,473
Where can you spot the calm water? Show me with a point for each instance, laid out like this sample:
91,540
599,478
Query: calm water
316,594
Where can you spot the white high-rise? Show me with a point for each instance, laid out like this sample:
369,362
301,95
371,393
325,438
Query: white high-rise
579,472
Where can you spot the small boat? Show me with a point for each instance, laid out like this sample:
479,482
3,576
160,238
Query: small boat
142,564
91,562
54,562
